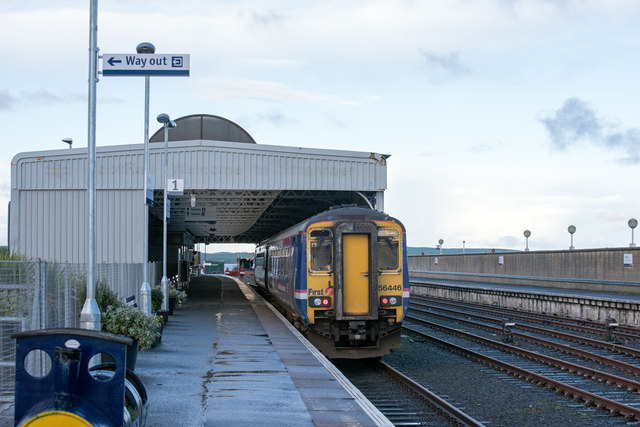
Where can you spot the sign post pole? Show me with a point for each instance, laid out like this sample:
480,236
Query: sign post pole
90,314
145,289
147,63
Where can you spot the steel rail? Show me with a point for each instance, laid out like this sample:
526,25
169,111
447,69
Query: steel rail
557,386
583,354
584,371
439,403
609,346
593,327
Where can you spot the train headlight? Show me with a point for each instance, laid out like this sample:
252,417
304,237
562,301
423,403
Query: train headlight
319,302
390,301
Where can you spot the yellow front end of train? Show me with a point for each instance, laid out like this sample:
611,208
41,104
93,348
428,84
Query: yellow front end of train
356,286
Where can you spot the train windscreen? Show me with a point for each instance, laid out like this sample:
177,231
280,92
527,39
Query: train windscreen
388,255
321,248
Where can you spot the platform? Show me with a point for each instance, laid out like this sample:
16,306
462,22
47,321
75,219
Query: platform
539,290
227,358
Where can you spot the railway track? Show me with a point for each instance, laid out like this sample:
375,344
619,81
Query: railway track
622,333
583,373
402,400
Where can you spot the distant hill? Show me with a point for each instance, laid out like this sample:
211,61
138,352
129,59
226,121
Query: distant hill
230,257
226,257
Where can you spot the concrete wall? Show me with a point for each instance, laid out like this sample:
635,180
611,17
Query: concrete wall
598,269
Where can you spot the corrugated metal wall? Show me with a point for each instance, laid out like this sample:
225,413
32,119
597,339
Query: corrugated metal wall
48,189
204,165
52,225
233,166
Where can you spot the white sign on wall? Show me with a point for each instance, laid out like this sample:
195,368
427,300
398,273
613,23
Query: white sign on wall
175,187
628,260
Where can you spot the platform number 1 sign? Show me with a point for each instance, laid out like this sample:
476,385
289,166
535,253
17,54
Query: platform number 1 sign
175,187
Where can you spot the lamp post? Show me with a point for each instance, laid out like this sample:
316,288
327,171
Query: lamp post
164,283
633,223
90,314
68,141
527,234
145,289
440,242
571,230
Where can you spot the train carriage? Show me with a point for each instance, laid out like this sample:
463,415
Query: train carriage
341,277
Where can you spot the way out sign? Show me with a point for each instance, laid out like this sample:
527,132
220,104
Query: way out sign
145,64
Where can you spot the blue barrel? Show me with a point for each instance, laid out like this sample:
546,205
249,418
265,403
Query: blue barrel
76,377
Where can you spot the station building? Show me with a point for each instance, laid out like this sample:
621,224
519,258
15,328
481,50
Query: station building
235,191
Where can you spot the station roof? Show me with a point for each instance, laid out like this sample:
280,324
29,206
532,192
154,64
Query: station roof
244,193
234,189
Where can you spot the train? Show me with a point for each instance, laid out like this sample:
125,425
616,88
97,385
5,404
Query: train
341,278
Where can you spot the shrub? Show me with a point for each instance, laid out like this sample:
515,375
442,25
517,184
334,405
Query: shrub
156,299
131,322
105,297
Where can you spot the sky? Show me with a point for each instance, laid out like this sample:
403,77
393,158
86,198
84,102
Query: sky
499,115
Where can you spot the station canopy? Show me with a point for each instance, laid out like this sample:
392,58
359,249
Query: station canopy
252,191
234,191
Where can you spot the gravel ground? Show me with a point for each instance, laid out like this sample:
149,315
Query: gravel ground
491,397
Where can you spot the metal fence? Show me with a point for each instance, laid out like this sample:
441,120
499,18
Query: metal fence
41,295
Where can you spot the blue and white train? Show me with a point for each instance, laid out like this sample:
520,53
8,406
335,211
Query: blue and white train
341,277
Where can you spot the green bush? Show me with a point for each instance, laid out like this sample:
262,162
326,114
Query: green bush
156,299
6,255
105,297
131,322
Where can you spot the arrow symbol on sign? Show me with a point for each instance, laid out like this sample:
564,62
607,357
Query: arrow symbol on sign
113,60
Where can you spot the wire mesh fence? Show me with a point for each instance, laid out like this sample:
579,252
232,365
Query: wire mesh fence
43,295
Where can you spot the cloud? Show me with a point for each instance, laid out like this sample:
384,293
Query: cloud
43,96
39,97
267,18
266,91
485,147
576,122
445,67
276,118
6,100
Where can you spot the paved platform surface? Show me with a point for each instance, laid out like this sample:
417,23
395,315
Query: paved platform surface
227,359
611,296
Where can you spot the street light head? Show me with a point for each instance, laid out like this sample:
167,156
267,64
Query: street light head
163,118
633,223
68,141
166,120
145,47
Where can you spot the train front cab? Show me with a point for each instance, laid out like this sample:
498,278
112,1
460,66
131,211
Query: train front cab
355,301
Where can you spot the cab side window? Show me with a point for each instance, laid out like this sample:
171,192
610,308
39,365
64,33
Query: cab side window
321,250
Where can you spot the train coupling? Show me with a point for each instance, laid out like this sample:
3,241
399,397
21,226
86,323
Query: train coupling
357,330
